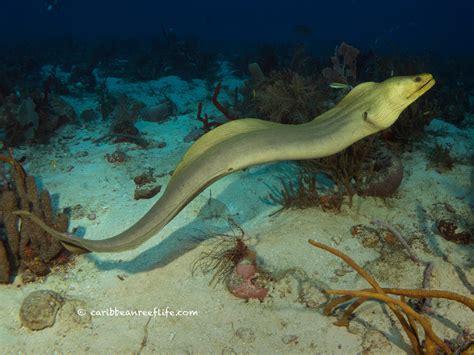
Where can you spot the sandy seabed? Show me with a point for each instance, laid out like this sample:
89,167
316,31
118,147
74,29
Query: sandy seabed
157,277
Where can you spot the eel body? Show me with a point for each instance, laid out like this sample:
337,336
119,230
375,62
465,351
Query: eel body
367,109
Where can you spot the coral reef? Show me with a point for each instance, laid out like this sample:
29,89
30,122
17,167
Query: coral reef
34,115
367,168
125,114
25,248
347,168
82,78
287,97
207,122
344,65
407,316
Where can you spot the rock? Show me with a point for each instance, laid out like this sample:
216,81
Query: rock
246,335
158,113
39,309
290,339
89,115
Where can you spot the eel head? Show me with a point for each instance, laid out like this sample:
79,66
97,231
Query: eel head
398,93
406,89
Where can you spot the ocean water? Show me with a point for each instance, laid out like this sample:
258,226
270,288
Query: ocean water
255,177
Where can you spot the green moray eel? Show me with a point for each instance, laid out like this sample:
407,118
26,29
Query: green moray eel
368,108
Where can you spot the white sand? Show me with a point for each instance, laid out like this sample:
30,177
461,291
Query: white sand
158,273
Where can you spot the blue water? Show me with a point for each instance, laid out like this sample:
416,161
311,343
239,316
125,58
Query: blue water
441,26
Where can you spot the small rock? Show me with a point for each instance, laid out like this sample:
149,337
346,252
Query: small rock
290,339
28,276
88,115
145,178
146,193
161,145
116,157
81,154
246,335
157,113
39,309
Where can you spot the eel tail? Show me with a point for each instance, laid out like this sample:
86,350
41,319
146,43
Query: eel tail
63,237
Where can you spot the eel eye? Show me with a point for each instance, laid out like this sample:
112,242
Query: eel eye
417,79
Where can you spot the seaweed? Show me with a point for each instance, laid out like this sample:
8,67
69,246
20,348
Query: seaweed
440,158
348,168
223,256
303,195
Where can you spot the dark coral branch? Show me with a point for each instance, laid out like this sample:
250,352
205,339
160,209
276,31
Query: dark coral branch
206,125
225,111
382,294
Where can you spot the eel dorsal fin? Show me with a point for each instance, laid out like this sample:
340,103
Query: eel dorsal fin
219,134
359,90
